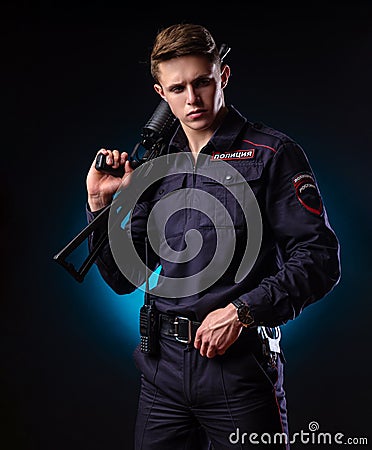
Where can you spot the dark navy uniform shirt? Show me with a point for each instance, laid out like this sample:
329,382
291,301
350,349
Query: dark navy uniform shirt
298,258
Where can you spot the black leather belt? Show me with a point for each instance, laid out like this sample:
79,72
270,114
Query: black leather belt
181,328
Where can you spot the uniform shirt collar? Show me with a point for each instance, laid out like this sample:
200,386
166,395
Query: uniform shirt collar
221,140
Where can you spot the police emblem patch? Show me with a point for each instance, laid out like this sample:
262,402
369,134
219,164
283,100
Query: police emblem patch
230,156
307,192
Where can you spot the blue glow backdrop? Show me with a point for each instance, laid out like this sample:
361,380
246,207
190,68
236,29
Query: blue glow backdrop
76,79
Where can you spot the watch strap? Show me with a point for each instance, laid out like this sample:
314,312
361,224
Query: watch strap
238,303
244,313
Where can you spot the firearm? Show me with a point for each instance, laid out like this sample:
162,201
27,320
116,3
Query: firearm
154,139
155,136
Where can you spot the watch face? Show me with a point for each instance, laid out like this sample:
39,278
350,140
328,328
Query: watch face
244,315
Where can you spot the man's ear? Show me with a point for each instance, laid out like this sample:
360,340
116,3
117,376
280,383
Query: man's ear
225,75
159,90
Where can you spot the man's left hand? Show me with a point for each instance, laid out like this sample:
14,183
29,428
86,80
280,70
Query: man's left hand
218,331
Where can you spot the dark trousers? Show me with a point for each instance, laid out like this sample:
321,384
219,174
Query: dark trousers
190,402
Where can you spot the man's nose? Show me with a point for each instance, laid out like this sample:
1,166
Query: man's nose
192,95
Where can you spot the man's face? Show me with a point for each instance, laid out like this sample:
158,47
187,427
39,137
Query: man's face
192,86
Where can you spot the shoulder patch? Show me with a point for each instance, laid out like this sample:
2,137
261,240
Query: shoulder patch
307,192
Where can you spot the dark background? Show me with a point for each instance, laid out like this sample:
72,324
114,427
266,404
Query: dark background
74,79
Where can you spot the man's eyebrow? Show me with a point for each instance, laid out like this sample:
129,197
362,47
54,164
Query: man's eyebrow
206,75
175,85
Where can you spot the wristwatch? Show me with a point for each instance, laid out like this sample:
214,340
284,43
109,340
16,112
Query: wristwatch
244,313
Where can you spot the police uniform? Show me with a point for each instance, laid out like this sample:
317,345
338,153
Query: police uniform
187,399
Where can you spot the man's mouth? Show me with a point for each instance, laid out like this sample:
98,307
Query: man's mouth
195,114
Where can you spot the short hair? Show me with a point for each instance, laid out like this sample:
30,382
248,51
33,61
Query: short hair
182,40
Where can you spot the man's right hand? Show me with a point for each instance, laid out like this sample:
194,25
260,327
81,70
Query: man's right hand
101,187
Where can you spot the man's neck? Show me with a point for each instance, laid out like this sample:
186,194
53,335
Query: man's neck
198,139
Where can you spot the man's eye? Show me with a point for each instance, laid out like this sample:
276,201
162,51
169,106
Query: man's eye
177,89
203,82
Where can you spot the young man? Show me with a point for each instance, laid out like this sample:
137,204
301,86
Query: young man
217,379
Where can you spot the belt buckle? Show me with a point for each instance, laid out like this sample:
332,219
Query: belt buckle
176,325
